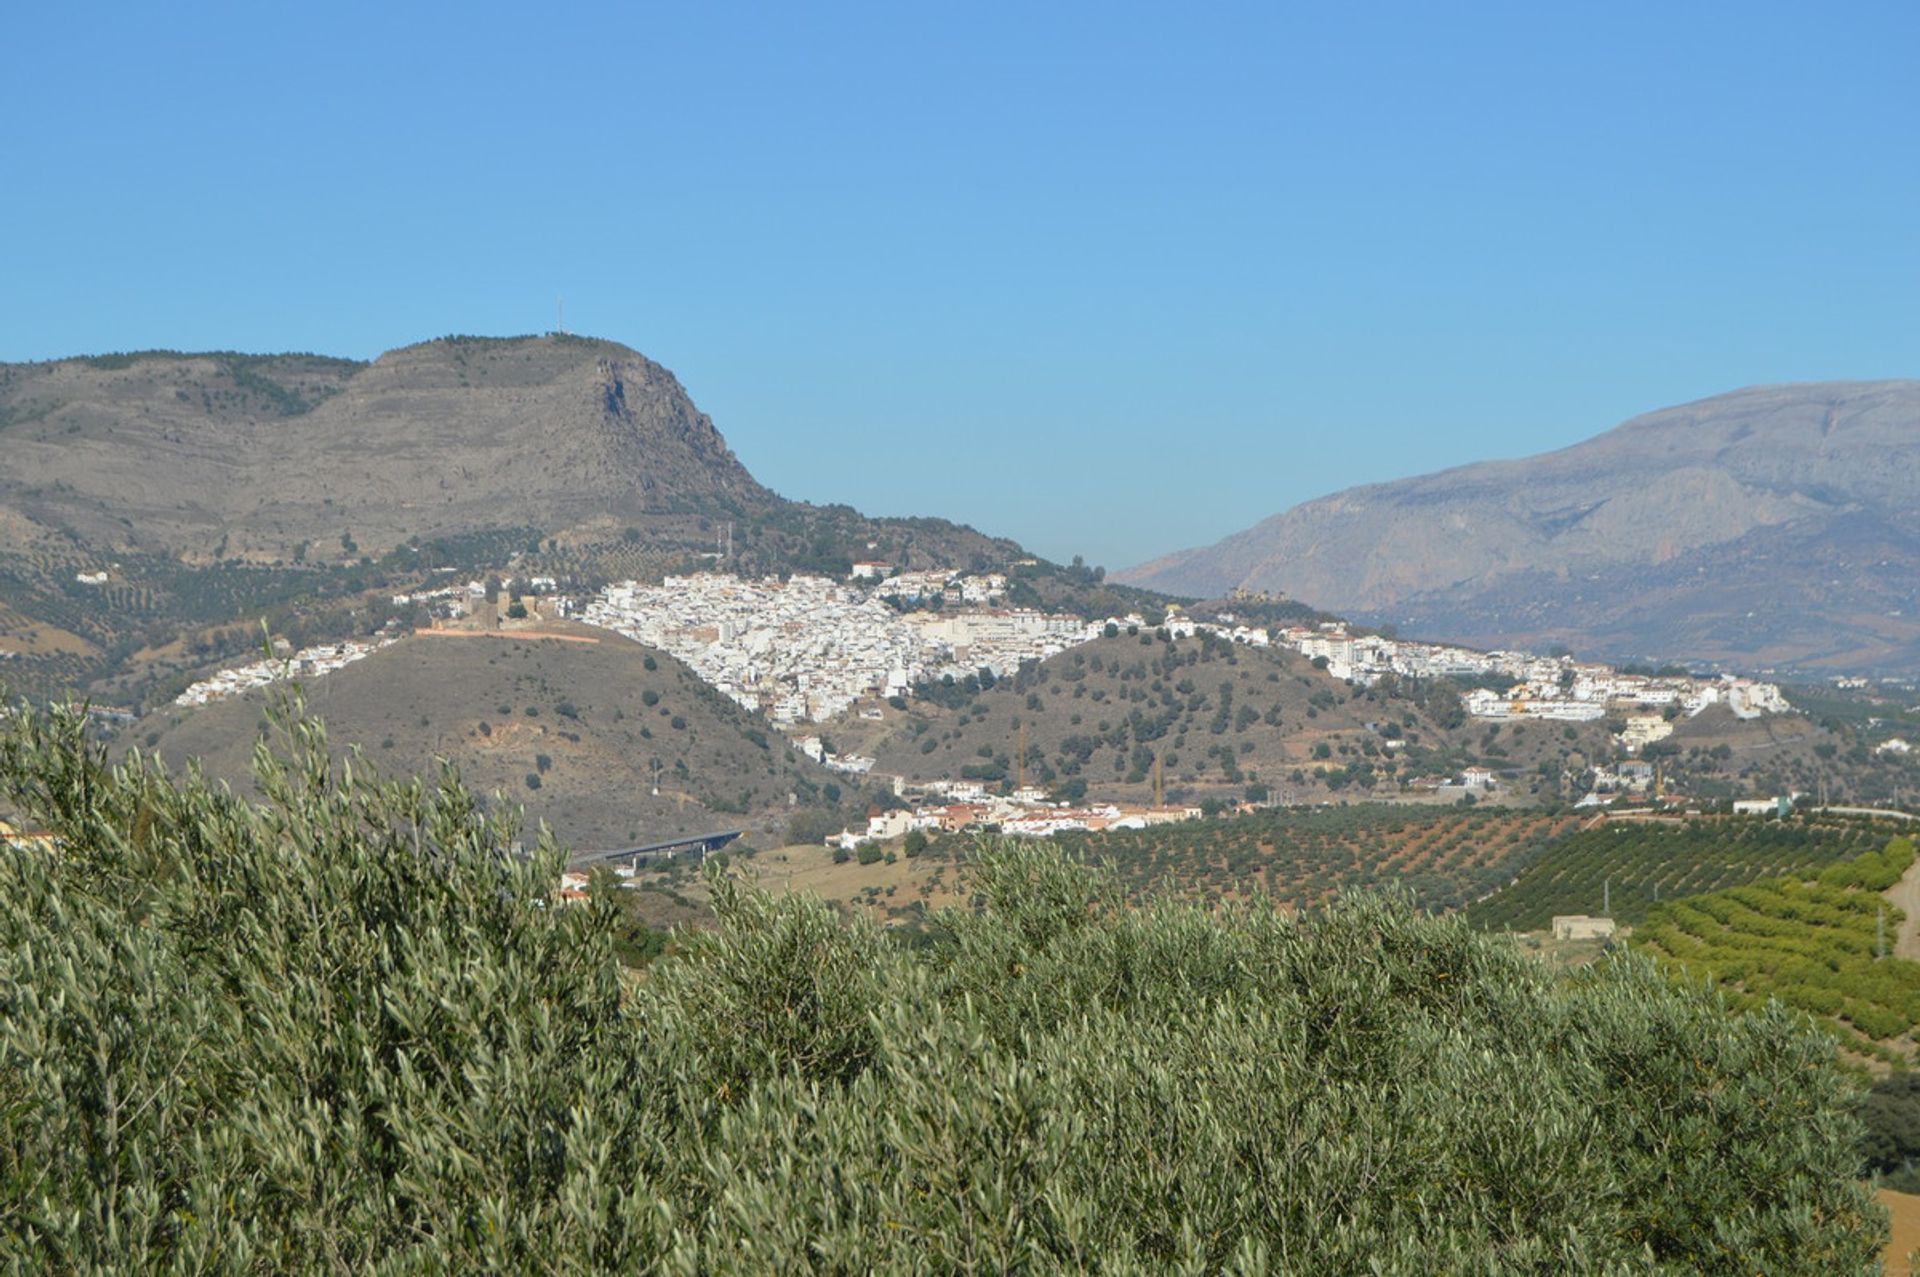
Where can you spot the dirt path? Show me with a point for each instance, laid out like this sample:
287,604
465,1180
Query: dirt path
1905,1210
506,634
1905,896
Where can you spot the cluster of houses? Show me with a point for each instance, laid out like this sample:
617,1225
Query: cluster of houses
451,602
954,589
308,662
806,649
1557,688
956,806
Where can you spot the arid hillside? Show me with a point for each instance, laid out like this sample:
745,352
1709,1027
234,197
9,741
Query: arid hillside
579,730
214,456
1215,718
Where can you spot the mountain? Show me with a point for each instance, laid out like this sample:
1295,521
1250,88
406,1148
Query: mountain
587,715
214,456
155,506
1773,526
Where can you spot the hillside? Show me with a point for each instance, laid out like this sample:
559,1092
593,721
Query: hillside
1219,717
194,492
1767,527
220,456
1821,943
588,719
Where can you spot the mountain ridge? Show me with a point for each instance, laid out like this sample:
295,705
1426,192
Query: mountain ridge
156,506
1727,484
216,455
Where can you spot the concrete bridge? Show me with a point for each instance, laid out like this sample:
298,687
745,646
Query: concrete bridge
670,849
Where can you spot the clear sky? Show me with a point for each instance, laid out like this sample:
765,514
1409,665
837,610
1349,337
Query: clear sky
1110,279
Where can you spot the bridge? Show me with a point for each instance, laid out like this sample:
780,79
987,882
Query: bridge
671,849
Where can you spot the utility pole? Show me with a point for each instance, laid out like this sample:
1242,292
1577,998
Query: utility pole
1020,764
1606,899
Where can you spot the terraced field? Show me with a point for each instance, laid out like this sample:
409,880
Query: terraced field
1636,865
1302,856
1818,943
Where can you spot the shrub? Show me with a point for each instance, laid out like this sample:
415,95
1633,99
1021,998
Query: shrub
341,1026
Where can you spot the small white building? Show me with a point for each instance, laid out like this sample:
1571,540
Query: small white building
1578,926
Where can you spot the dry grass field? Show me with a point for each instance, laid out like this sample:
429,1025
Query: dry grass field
1905,1209
880,890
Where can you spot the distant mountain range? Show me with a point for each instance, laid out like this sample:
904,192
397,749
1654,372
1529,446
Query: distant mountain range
1772,527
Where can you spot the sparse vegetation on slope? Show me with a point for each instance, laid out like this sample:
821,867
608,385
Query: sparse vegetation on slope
343,1028
581,733
1218,717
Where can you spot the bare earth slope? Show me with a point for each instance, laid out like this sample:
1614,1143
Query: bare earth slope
497,706
1772,525
214,456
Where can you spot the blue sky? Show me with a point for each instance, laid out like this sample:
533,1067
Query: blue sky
1110,279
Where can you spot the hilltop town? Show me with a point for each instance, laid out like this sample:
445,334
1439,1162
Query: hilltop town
811,654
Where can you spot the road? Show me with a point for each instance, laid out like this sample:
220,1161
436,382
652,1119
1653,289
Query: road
1905,896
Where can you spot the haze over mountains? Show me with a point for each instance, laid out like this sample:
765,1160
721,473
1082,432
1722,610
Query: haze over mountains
1773,526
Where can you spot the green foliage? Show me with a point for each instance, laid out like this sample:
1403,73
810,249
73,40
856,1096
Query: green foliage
1891,1114
812,825
342,1029
1302,856
1634,865
1816,946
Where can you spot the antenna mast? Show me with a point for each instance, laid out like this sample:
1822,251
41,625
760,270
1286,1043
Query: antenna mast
560,316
